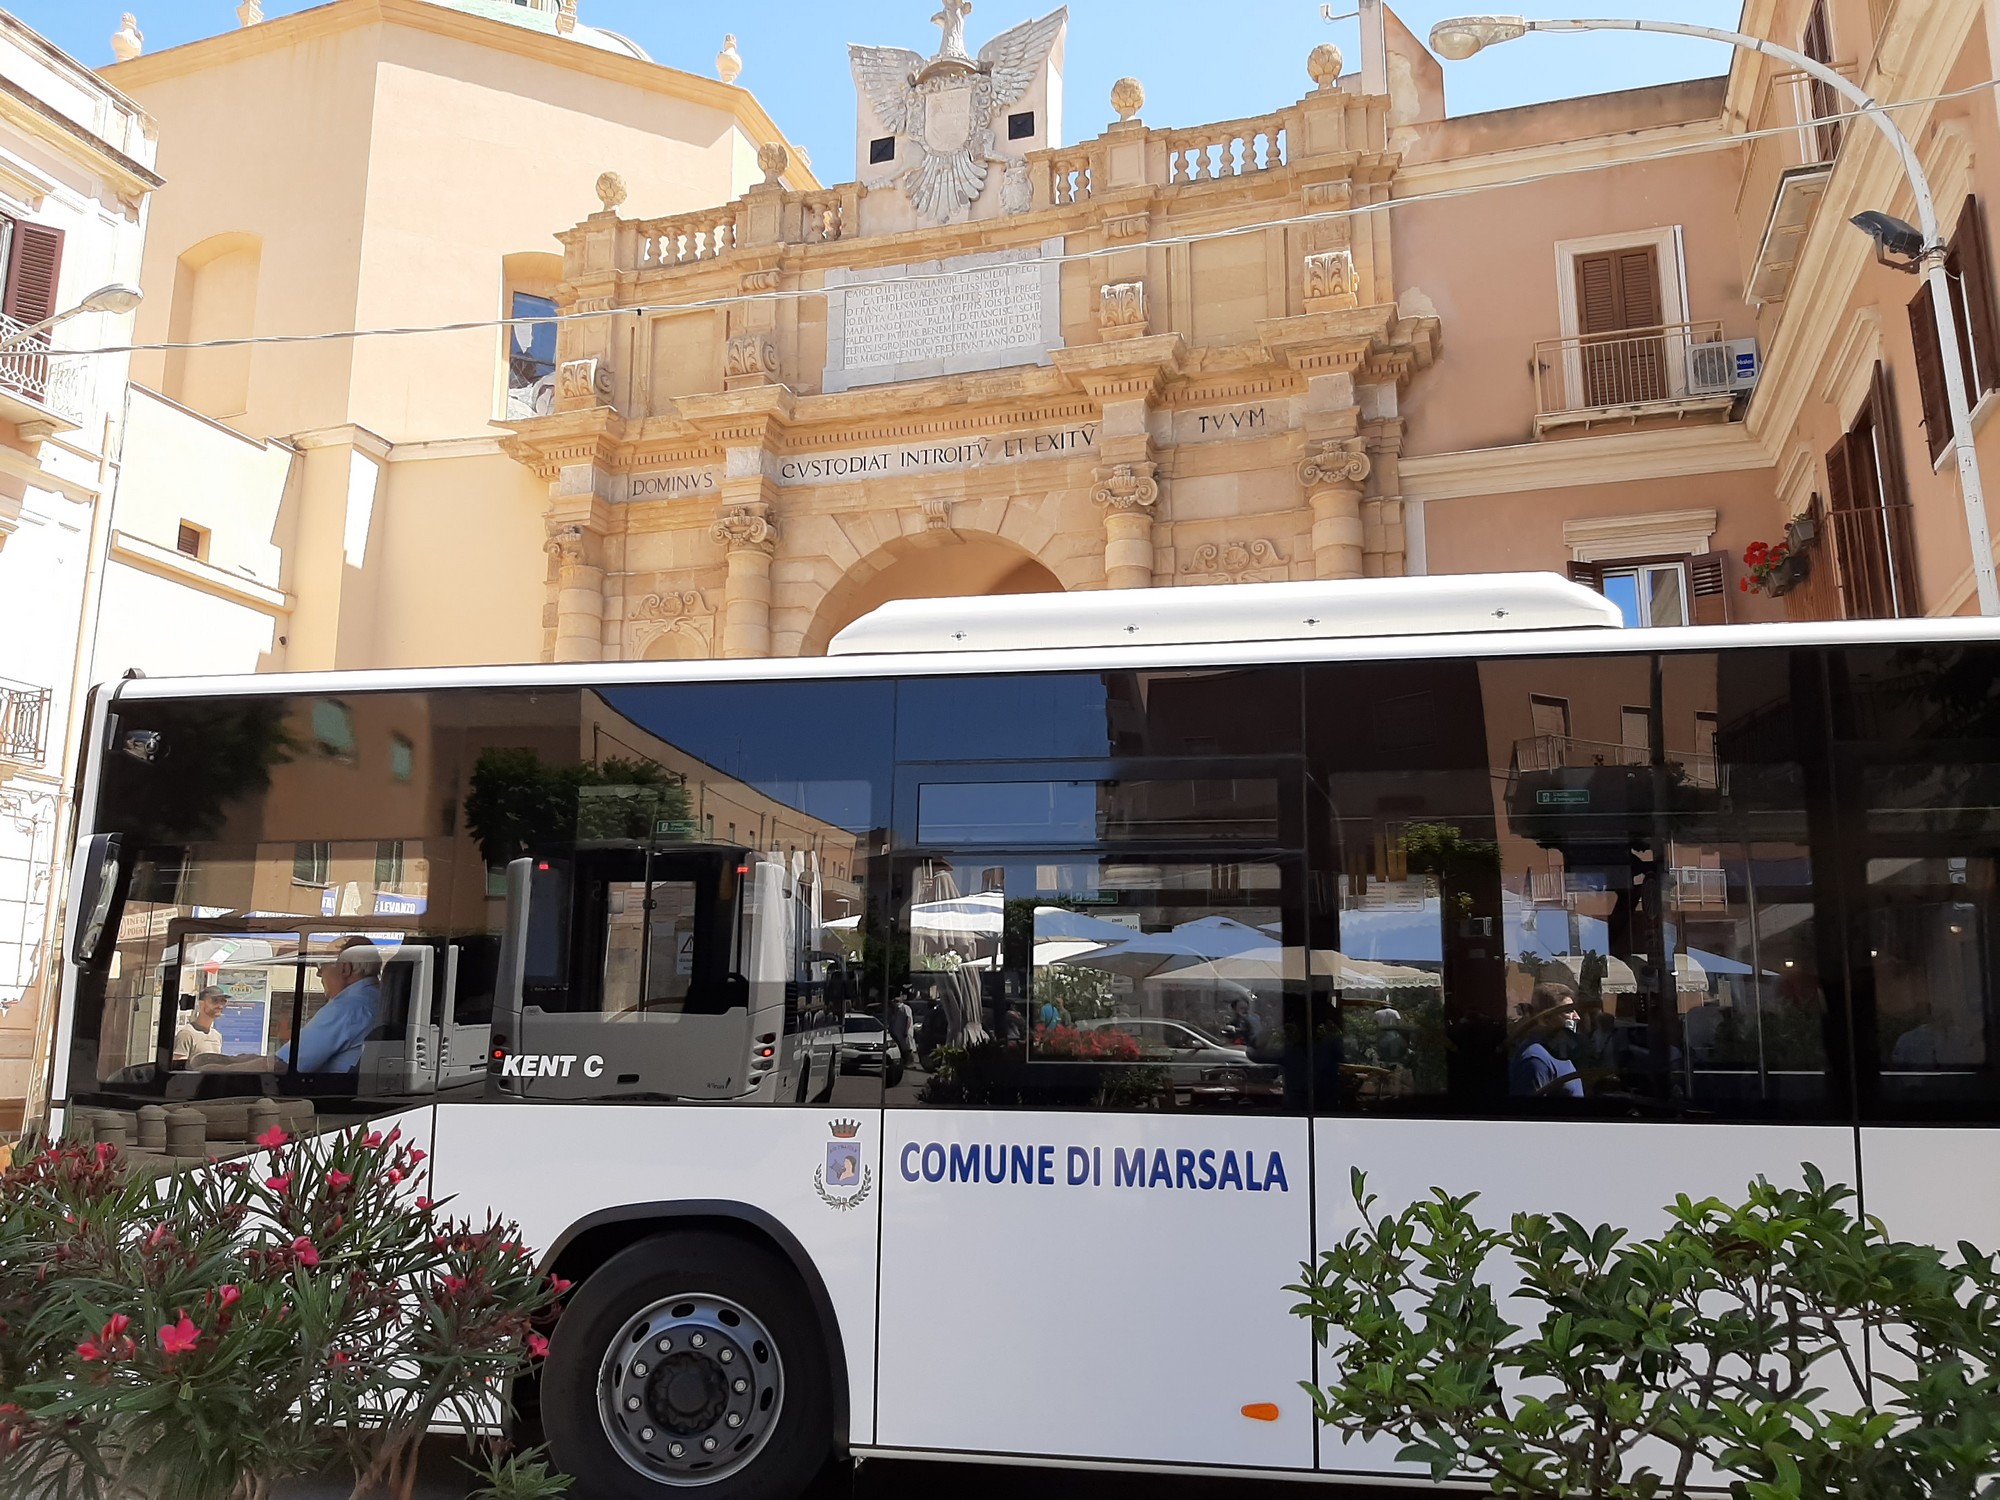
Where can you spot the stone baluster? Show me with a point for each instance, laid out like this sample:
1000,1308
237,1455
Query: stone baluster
1333,474
749,537
1128,492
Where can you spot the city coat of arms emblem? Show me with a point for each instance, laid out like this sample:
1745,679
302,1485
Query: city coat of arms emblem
947,107
846,1180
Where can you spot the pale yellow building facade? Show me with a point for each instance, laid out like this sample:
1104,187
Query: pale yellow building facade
345,502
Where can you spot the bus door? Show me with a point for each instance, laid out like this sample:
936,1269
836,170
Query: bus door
1096,1180
635,971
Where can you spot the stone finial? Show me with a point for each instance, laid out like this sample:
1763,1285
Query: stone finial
610,190
772,159
1324,63
728,62
250,12
128,41
1128,97
565,17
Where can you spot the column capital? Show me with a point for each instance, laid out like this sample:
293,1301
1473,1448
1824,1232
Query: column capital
746,530
1125,487
1335,463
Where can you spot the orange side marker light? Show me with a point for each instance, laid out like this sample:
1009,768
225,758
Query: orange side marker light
1262,1411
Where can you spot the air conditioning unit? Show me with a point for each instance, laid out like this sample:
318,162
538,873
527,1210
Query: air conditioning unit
1717,369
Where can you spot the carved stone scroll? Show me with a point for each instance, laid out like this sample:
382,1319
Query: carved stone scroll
1330,282
1335,464
745,531
1235,562
1125,487
1121,309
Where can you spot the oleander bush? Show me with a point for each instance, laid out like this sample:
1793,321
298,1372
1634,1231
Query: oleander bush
1732,1342
203,1335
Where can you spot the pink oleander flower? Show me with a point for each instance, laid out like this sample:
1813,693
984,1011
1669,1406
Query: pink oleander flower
304,1252
273,1138
538,1347
339,1181
179,1337
282,1183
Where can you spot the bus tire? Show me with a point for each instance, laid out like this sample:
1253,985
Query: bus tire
736,1377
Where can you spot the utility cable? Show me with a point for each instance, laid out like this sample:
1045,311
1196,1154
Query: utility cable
740,299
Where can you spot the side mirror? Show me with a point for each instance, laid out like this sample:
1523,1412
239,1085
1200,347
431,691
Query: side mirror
94,879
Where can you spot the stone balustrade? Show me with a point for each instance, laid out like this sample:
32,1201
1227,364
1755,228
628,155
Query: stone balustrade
1056,179
683,239
1230,148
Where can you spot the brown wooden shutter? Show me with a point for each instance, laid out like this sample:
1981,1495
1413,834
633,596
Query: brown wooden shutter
1839,485
1618,289
1975,265
1639,287
1889,439
1590,575
1597,294
1708,588
34,259
1930,373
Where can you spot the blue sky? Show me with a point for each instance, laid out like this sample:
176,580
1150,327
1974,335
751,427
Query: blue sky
1198,62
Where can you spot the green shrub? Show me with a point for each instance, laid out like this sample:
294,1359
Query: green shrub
1722,1341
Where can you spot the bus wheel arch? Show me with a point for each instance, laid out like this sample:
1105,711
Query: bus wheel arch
594,1239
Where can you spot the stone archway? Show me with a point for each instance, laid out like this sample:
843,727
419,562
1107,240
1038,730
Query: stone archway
909,569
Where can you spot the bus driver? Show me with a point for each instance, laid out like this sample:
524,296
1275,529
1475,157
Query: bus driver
331,1041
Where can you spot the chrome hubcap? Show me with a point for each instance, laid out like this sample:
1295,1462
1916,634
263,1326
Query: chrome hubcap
690,1389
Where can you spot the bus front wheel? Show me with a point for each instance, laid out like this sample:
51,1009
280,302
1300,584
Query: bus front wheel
691,1359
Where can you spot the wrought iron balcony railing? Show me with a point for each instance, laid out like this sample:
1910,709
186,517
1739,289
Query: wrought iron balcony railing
1626,368
24,722
52,380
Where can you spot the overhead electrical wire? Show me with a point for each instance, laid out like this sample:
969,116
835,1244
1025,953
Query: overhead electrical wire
1322,216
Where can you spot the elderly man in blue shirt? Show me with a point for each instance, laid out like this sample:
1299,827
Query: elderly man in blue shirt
331,1041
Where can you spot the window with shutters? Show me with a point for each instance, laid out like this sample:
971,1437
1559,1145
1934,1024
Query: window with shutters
1657,591
1817,43
1868,513
192,540
1974,315
1620,324
30,263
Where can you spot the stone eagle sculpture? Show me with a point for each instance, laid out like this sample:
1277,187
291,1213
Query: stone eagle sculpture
947,106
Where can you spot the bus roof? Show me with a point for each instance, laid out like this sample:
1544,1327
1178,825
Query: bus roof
1456,604
1352,642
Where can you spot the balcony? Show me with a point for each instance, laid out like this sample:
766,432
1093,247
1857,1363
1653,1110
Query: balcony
24,723
41,392
1806,160
1857,564
1670,375
1567,793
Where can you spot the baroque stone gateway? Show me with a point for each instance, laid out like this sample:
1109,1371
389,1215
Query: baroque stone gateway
1109,365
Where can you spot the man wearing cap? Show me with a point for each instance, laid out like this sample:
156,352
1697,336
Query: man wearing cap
1535,1071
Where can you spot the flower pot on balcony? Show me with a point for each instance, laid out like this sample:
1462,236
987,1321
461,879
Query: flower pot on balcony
1790,573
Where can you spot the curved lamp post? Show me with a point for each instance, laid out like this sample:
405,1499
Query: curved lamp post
1461,36
115,298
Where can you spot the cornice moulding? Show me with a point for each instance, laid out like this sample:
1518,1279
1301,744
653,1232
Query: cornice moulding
502,36
1614,458
164,562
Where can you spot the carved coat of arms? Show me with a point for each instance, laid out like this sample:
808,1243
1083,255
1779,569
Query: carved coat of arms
948,106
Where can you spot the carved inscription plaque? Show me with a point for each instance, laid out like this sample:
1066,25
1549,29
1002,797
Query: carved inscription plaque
914,322
978,312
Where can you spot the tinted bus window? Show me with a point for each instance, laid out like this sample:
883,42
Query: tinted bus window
1099,891
1571,885
1917,761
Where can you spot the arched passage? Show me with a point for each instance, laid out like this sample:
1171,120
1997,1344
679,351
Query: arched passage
909,569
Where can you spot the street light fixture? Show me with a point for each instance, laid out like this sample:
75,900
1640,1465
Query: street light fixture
1923,244
118,297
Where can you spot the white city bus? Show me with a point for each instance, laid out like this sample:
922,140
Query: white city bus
1158,914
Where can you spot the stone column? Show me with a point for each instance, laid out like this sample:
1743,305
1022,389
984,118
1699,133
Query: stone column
579,555
750,537
1128,493
1333,474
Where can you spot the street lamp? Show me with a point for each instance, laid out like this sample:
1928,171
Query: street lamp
1461,36
115,298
